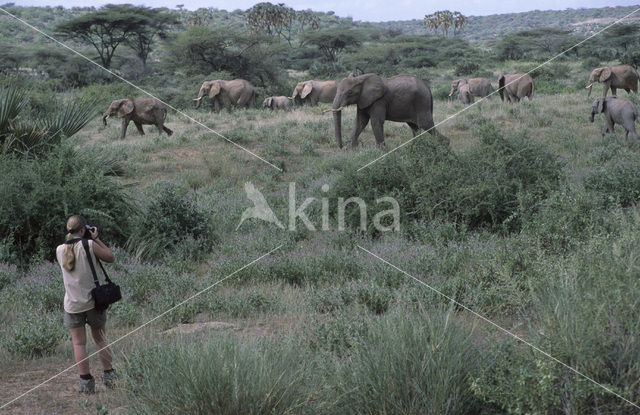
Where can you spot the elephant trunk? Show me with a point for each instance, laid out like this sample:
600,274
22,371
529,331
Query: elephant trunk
592,114
337,125
589,87
198,101
104,119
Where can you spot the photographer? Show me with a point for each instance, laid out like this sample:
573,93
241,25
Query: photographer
78,302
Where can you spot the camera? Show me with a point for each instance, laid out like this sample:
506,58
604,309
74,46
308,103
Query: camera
87,234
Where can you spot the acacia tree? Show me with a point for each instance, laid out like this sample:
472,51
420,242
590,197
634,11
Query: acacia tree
157,24
279,21
332,42
104,29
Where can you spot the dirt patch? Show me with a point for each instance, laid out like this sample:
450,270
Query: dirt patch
198,327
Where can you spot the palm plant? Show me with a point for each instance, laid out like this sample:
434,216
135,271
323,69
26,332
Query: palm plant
32,137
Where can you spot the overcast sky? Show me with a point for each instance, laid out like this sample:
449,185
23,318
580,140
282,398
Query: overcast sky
366,10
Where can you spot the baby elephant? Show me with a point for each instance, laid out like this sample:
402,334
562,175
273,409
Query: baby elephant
148,111
616,110
464,94
278,103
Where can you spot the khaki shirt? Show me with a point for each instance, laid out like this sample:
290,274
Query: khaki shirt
79,282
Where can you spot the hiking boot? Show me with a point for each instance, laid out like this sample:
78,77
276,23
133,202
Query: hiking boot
87,386
109,378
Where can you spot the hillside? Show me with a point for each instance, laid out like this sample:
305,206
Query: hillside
480,28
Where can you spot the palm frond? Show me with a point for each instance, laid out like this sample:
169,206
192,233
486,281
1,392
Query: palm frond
12,101
69,119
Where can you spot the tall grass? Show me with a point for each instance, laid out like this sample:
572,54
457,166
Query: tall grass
221,375
410,364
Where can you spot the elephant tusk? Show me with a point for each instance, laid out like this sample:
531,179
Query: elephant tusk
197,99
588,86
332,110
451,94
106,116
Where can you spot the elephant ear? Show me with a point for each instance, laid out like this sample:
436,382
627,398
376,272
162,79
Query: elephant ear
125,108
605,74
269,101
306,90
214,90
373,88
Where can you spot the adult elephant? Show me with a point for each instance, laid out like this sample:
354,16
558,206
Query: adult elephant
514,87
142,111
622,76
237,92
402,98
315,91
478,87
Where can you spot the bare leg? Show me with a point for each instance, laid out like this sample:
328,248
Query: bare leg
99,337
79,339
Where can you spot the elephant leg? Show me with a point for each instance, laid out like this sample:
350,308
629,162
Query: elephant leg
123,128
414,128
166,130
216,105
614,91
139,127
362,119
605,90
377,124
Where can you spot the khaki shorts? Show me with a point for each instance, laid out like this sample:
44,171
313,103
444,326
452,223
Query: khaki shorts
93,317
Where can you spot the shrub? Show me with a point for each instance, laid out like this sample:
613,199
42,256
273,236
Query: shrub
37,335
618,181
169,217
39,195
8,274
585,315
488,186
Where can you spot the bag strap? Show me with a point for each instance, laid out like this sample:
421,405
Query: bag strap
85,245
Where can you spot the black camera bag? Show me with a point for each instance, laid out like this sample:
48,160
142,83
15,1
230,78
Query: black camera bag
103,295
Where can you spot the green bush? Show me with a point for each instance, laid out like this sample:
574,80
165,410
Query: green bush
220,376
584,314
62,183
37,335
8,274
171,216
490,185
618,181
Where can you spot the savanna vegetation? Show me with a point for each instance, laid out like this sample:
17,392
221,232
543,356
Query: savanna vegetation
529,217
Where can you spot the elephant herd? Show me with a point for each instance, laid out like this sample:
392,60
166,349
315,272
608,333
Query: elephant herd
401,98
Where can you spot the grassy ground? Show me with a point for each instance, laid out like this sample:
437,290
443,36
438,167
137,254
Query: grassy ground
320,298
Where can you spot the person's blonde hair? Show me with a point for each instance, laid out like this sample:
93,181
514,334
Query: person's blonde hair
74,224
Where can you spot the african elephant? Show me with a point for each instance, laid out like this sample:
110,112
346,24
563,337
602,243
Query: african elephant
402,98
237,92
278,103
622,76
479,87
464,94
315,91
147,111
514,87
616,110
